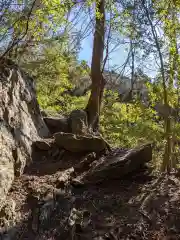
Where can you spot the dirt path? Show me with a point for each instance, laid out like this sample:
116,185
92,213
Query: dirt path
47,206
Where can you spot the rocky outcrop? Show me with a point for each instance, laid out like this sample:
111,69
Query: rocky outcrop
78,122
72,133
166,111
20,124
79,143
116,166
75,123
57,124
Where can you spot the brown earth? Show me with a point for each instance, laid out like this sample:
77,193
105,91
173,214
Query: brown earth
46,204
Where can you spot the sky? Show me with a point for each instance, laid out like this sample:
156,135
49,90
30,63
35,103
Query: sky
116,58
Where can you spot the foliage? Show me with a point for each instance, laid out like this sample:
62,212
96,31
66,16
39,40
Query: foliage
38,37
27,23
127,124
55,71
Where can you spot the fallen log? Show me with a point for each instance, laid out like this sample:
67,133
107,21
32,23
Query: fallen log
115,167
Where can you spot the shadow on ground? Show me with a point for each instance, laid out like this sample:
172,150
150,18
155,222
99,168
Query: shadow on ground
138,207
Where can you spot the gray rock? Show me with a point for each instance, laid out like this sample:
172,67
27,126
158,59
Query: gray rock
8,214
20,124
79,143
43,145
56,124
78,122
116,167
166,110
64,177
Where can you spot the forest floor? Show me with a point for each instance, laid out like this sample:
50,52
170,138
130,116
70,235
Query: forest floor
47,206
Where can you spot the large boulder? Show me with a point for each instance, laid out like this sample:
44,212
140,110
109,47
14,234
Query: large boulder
78,122
166,111
57,124
118,165
20,124
80,143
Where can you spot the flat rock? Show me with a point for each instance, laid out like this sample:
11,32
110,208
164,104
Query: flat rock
56,124
79,143
115,167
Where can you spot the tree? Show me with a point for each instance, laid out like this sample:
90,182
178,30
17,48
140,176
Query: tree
97,87
26,23
40,37
55,70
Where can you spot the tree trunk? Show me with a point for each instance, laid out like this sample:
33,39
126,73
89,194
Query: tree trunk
97,87
167,120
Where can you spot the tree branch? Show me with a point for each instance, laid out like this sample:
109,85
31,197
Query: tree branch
21,38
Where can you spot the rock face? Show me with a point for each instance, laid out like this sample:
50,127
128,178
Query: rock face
117,166
20,124
79,143
56,124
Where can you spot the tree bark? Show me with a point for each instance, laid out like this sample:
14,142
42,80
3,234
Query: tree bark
97,87
167,120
